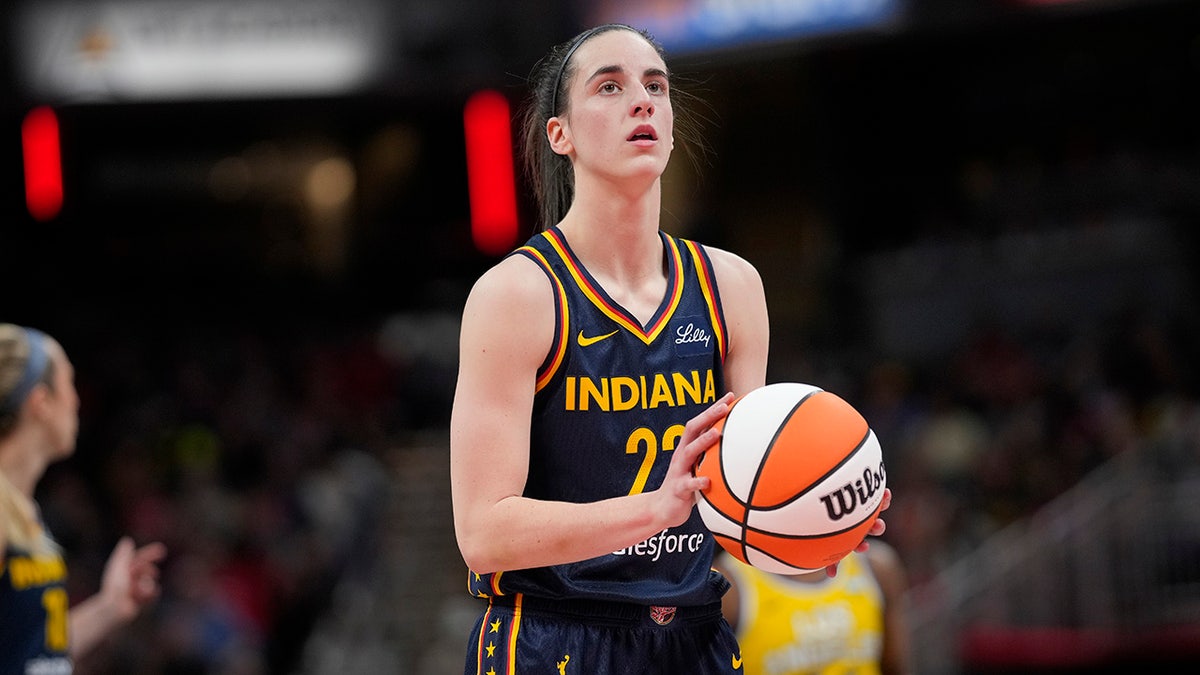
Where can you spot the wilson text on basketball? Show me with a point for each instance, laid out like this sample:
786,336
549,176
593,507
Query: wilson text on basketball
851,495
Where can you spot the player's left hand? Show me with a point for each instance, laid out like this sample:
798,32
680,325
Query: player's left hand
877,528
130,579
681,486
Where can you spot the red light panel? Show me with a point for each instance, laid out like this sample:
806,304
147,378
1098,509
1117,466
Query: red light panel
490,176
43,163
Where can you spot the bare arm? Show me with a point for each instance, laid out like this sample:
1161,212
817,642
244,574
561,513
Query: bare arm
893,580
130,582
744,302
745,305
507,328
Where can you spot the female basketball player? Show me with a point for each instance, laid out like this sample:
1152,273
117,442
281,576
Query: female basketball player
39,419
810,624
594,361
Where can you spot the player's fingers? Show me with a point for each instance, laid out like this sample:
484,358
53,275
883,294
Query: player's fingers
150,554
878,527
123,550
703,442
702,422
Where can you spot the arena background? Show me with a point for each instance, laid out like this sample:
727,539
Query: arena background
975,220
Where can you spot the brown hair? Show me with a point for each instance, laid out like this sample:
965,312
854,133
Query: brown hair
550,174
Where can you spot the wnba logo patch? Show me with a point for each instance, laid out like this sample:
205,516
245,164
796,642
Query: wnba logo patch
662,615
692,336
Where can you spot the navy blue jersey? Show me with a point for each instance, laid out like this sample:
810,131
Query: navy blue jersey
518,634
33,614
612,399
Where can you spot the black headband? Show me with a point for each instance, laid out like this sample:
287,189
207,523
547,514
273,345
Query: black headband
582,37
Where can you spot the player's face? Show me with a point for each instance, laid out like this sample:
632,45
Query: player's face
63,402
620,120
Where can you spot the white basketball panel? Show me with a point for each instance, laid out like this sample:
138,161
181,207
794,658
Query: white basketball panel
750,427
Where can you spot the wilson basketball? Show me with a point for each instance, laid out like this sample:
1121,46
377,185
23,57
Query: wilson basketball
796,480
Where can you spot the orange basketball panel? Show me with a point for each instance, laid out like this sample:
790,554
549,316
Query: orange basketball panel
818,436
733,546
814,552
724,503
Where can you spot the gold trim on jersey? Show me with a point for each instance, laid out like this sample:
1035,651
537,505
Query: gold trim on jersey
562,337
618,315
709,286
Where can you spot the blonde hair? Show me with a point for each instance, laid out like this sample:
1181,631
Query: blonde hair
20,526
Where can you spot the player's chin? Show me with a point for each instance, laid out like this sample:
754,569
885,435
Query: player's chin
649,165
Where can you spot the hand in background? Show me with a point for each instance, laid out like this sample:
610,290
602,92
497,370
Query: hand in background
130,579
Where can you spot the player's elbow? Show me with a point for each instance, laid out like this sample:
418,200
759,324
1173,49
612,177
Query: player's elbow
484,530
479,556
478,548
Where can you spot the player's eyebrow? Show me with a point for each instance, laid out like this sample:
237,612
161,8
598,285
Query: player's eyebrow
649,72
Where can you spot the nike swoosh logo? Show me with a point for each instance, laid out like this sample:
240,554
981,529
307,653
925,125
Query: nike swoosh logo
585,341
737,662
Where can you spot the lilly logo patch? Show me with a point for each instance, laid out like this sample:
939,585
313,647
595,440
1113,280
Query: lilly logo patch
692,336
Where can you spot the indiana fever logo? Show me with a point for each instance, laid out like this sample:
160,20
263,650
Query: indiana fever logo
642,392
843,501
662,615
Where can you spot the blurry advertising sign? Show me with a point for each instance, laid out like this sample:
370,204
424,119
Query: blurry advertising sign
702,25
129,50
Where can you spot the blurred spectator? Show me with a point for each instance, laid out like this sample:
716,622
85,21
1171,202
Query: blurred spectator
252,456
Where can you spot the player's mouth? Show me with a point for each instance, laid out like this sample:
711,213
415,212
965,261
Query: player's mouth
644,133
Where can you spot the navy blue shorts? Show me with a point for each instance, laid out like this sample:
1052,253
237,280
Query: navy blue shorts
519,635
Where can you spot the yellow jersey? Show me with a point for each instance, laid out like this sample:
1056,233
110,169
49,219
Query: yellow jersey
789,626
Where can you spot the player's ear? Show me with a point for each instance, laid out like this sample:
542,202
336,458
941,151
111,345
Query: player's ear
559,135
38,399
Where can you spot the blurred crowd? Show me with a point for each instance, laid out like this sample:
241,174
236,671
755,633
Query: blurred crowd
1004,426
258,459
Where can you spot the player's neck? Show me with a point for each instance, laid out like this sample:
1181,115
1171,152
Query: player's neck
21,466
623,253
607,226
630,205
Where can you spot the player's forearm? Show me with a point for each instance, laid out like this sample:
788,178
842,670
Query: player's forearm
519,533
91,621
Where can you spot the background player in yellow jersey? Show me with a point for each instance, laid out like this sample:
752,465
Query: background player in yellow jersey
813,623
